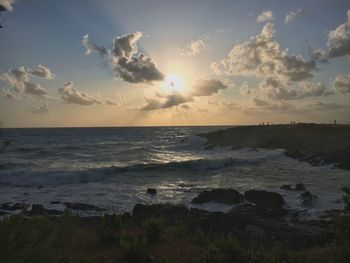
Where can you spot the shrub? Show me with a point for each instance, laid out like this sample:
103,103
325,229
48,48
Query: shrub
223,250
134,250
110,229
154,229
346,197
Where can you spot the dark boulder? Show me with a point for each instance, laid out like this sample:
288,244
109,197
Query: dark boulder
299,187
39,210
286,187
151,191
225,196
16,206
295,154
307,199
82,207
264,199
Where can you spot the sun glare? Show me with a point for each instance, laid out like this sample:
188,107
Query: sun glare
174,82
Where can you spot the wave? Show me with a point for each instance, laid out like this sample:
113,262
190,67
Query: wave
27,178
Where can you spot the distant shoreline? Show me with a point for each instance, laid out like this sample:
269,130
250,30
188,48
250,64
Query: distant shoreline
317,144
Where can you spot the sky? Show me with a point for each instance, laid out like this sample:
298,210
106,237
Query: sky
181,62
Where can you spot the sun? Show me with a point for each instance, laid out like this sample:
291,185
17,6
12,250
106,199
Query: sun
174,82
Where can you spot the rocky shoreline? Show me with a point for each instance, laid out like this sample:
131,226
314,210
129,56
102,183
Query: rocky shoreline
318,144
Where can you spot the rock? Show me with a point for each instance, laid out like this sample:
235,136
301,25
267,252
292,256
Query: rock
55,202
2,213
16,206
307,199
82,207
299,187
151,191
286,187
225,196
38,210
295,154
264,199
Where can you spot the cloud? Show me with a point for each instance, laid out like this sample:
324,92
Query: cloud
262,56
325,106
34,89
282,76
339,40
43,72
193,48
341,84
260,103
18,81
110,102
7,4
338,43
71,95
202,88
293,16
265,16
128,63
41,109
276,89
92,47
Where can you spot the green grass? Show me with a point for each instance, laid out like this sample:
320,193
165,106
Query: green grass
110,238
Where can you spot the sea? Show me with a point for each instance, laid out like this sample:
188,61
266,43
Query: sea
112,168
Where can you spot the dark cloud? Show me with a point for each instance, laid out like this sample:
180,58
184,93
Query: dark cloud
200,89
92,47
205,87
128,63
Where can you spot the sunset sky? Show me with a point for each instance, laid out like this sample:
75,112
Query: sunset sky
159,62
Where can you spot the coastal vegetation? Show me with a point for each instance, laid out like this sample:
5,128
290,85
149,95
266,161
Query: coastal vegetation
174,233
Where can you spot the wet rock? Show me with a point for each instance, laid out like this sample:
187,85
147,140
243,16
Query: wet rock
295,154
225,196
264,199
151,191
299,187
286,187
307,199
82,207
16,206
39,210
55,202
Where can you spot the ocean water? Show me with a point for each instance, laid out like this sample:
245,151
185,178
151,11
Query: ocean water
113,167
